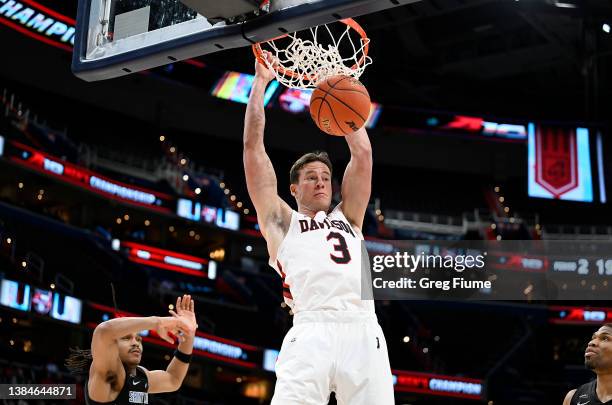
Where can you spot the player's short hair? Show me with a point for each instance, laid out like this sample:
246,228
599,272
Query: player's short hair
607,325
317,156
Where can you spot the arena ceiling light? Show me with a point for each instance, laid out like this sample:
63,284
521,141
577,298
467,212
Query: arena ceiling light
565,4
606,28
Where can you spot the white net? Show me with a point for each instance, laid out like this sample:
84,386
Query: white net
303,60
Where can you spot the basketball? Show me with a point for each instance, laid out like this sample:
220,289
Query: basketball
340,105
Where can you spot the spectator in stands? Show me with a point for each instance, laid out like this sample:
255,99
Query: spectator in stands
115,375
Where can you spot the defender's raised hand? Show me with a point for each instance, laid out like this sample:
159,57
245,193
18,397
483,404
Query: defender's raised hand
185,311
167,325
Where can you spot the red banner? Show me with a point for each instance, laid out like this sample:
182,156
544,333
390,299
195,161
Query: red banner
580,315
165,259
556,159
439,385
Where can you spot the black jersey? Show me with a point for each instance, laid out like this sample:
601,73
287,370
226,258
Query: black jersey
134,391
587,395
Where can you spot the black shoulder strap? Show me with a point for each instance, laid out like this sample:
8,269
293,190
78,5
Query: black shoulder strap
141,370
584,394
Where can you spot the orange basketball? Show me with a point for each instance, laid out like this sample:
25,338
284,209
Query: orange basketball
340,105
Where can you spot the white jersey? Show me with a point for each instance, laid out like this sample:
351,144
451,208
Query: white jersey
319,261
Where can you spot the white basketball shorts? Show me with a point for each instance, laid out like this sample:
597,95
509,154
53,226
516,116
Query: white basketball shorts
343,352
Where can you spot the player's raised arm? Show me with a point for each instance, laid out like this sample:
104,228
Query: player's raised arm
357,181
259,172
172,377
107,369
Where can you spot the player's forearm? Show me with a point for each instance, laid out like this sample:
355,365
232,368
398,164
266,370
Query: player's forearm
360,147
118,327
187,345
357,181
178,369
255,118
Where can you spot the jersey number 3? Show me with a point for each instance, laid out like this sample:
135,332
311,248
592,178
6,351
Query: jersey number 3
344,256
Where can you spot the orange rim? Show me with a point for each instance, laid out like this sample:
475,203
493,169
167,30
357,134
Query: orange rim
258,52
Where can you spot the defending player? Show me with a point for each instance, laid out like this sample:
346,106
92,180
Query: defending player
336,343
597,357
115,376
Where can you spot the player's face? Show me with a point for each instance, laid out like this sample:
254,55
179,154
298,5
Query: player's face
314,190
598,354
130,349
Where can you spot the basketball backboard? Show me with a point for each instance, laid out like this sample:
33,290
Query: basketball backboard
118,37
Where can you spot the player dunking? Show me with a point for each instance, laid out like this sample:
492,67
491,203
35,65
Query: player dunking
336,343
597,357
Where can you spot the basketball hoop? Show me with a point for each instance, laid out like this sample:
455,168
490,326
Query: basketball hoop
306,58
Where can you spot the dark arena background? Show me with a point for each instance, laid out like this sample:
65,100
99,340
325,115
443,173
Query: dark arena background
119,195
